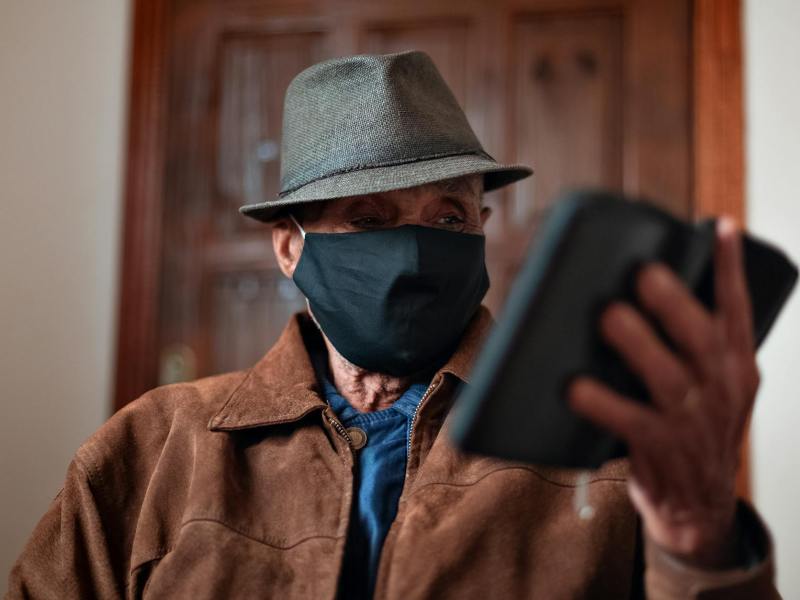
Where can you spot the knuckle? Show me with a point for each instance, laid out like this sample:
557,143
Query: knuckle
673,383
681,381
709,340
646,433
650,286
753,379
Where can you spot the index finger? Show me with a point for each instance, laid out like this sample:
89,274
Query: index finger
731,296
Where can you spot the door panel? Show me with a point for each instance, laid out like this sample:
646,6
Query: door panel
254,72
567,106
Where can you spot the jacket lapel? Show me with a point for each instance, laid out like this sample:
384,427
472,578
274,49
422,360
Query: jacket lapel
282,386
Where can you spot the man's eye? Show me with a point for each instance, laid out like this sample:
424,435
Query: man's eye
451,220
366,222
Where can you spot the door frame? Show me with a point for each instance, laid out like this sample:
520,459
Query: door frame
136,361
717,170
718,131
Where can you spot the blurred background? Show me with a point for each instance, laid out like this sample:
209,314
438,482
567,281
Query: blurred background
131,131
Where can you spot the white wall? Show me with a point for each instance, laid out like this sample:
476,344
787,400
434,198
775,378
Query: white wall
772,50
63,77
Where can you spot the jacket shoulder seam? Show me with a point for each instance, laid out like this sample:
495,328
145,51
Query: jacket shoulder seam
514,468
241,532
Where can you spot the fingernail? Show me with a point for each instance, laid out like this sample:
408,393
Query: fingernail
726,226
617,316
577,391
658,276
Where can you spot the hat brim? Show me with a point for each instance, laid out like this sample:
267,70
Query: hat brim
392,177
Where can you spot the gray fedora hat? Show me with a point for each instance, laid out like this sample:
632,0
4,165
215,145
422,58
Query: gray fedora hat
373,123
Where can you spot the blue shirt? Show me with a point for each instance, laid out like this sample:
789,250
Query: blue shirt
380,474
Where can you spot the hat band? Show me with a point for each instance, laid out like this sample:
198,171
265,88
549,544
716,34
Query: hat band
361,167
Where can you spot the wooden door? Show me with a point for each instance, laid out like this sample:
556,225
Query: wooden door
586,91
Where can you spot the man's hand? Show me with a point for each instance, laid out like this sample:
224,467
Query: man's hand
684,448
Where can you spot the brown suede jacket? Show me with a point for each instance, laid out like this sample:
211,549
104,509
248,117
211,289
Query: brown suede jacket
239,486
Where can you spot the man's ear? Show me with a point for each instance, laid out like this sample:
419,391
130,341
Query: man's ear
287,244
486,212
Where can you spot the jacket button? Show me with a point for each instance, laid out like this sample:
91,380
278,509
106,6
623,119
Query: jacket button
358,437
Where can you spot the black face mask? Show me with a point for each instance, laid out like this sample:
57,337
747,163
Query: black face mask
396,300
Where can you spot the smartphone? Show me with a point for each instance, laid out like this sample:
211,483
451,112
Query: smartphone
586,254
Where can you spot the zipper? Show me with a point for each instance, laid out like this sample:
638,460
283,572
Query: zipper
433,385
393,527
341,430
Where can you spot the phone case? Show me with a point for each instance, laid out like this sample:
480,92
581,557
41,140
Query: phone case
586,254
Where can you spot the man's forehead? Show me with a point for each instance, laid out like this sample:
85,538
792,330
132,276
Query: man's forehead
468,183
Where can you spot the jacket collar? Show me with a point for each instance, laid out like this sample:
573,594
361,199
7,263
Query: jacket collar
282,386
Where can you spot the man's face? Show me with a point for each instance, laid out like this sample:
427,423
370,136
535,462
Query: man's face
453,204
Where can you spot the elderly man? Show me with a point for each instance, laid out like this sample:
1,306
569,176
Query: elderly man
325,470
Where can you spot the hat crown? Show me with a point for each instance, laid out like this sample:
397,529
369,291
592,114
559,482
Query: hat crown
369,110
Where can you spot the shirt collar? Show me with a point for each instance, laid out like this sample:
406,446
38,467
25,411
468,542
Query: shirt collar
282,386
404,406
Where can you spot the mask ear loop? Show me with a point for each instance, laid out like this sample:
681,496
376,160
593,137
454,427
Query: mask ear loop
302,231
